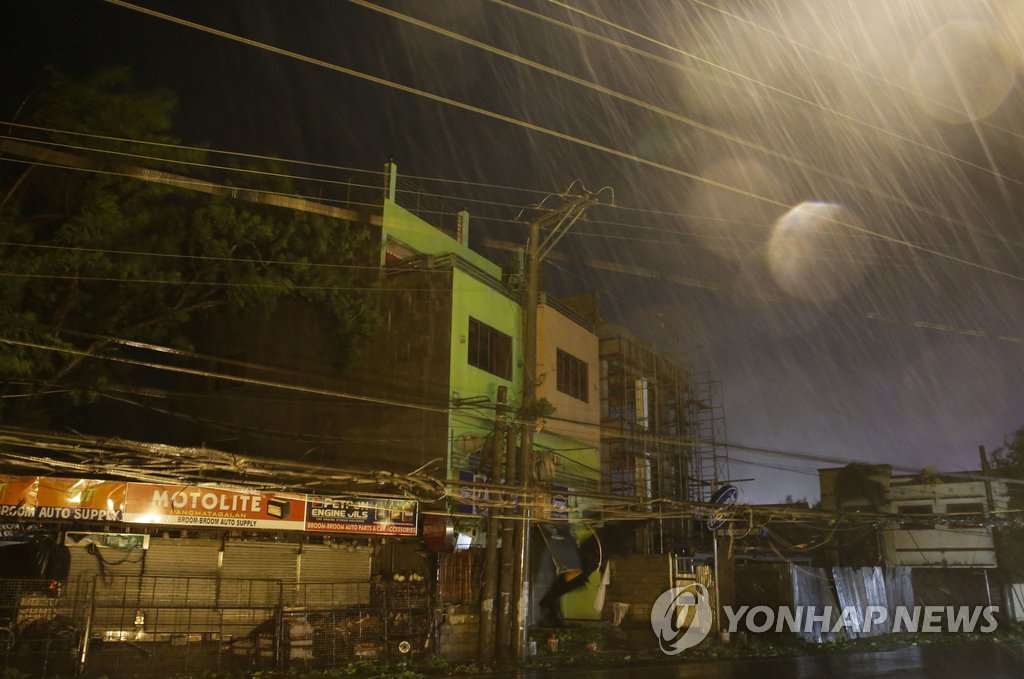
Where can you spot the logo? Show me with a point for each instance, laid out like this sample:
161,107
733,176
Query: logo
84,497
863,620
681,618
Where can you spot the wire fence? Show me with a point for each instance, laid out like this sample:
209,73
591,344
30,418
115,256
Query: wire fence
126,626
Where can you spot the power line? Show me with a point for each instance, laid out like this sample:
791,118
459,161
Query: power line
205,258
596,264
686,120
248,171
645,272
274,159
284,286
352,202
543,130
184,181
742,76
847,64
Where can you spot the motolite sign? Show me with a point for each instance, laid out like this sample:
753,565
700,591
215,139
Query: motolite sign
212,507
35,498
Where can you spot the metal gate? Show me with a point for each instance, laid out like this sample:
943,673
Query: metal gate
129,625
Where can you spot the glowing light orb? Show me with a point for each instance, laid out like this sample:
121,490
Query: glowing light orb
962,72
814,255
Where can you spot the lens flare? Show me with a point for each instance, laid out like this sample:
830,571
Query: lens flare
814,255
962,72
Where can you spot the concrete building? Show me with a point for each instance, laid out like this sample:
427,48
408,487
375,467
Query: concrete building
945,521
941,520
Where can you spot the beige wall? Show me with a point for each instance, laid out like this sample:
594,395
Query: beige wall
952,546
557,331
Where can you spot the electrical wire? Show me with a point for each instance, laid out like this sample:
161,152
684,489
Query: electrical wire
184,182
746,78
545,131
850,65
686,120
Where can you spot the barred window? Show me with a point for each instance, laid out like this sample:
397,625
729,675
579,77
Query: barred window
571,374
490,349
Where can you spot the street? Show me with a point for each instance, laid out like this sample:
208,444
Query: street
993,661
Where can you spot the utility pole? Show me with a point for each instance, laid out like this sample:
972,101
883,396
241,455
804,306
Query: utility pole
490,588
557,223
987,471
989,514
508,552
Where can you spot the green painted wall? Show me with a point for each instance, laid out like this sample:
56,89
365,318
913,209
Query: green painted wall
422,237
472,297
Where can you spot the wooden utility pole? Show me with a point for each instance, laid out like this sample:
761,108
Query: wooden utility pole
987,471
556,223
508,552
490,588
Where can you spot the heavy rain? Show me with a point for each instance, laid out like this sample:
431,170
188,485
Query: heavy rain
817,203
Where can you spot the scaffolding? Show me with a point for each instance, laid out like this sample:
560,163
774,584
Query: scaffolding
705,420
662,431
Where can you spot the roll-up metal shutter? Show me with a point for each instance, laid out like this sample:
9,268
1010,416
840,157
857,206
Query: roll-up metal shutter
106,565
331,578
260,560
182,557
252,572
255,578
179,588
318,563
117,578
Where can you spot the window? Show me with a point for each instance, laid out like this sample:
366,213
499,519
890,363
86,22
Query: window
572,375
975,508
914,509
490,349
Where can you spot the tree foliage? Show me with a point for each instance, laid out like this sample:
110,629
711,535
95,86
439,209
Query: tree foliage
1009,458
856,483
100,254
1008,461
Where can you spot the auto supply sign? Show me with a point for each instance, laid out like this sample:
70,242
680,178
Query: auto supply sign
80,499
373,516
60,499
212,507
18,496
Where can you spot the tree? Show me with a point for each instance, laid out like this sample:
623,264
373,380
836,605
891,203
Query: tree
1009,458
1008,461
101,255
858,488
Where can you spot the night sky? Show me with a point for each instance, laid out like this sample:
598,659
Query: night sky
827,193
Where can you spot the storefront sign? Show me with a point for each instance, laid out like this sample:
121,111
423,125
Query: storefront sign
59,499
122,542
18,496
438,532
117,502
560,503
212,507
80,499
472,495
373,516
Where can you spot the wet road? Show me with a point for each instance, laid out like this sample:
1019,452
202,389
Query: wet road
991,661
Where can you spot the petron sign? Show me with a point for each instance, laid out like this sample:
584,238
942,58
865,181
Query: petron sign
60,499
376,517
